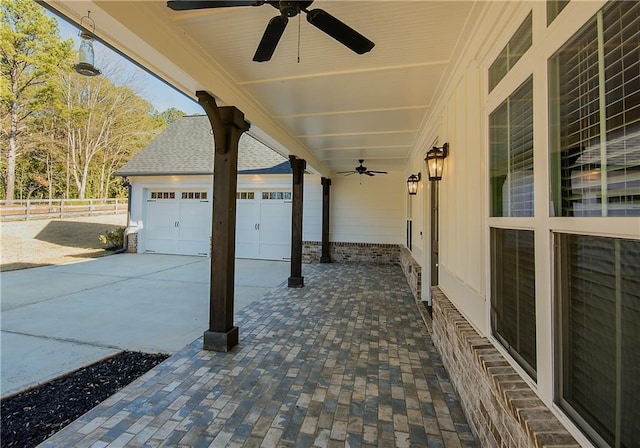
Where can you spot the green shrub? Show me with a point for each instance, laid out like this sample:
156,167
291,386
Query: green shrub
113,238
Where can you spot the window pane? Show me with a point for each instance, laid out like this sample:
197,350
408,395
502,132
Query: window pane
596,143
520,42
511,53
498,69
511,154
554,7
630,331
513,315
600,322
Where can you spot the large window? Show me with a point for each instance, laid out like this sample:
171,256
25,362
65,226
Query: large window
594,84
511,154
599,316
513,304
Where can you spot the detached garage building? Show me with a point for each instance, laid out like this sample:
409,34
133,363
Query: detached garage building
172,194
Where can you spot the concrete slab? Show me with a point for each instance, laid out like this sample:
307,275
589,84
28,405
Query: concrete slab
26,287
142,302
28,361
134,314
128,265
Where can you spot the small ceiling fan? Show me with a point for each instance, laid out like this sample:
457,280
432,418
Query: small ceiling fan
317,17
361,170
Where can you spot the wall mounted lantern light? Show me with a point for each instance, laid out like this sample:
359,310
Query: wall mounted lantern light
435,161
85,52
412,183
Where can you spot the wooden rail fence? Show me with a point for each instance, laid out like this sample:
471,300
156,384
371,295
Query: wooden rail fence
59,208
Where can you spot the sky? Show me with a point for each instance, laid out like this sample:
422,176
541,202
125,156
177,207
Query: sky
159,94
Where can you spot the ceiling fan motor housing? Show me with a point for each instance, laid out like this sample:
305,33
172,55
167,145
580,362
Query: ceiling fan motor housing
292,9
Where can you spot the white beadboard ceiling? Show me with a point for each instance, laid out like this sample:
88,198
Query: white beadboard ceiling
332,107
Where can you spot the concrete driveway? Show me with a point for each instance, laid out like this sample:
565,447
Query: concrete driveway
56,319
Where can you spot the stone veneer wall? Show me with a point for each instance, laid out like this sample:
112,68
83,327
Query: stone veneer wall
352,252
502,410
412,271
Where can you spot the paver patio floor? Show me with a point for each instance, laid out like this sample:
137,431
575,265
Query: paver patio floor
344,361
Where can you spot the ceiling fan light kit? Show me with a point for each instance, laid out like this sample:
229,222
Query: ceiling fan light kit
319,18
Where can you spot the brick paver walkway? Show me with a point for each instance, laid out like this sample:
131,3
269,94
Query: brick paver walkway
344,361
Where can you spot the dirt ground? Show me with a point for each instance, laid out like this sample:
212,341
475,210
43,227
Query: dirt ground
27,244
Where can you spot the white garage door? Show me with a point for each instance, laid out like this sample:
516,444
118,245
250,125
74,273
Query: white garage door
178,222
263,225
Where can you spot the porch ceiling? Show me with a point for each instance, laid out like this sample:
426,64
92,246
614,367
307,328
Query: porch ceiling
333,107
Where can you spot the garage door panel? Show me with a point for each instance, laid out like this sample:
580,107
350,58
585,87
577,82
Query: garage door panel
178,223
274,251
162,231
263,225
194,247
275,224
162,246
247,234
195,227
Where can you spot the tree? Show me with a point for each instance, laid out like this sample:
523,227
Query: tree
170,115
105,125
31,54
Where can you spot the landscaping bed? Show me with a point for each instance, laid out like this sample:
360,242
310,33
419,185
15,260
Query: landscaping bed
31,417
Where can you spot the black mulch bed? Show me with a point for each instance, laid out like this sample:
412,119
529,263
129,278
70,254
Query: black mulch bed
32,416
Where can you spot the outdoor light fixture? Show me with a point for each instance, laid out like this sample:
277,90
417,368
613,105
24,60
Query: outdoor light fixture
412,183
85,53
435,161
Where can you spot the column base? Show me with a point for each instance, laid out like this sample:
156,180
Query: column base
295,282
325,259
217,341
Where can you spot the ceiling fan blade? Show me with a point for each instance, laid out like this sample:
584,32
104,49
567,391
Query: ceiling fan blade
270,38
186,5
378,172
339,31
369,173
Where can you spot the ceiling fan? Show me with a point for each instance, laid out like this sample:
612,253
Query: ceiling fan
361,170
317,17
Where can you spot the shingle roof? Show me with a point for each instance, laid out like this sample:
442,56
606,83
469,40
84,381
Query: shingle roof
186,147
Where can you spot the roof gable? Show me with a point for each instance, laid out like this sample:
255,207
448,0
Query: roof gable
186,147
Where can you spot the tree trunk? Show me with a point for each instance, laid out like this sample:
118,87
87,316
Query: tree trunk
13,149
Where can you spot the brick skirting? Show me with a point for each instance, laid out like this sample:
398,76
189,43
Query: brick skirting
132,243
501,408
352,252
412,271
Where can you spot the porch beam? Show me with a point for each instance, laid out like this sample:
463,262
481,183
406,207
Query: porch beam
326,188
228,124
296,280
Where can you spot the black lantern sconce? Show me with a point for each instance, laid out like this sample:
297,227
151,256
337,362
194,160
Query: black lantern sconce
412,183
435,161
85,53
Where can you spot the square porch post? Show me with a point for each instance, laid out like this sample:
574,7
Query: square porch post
296,280
228,124
326,188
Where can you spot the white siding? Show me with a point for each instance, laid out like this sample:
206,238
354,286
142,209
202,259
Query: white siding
367,209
